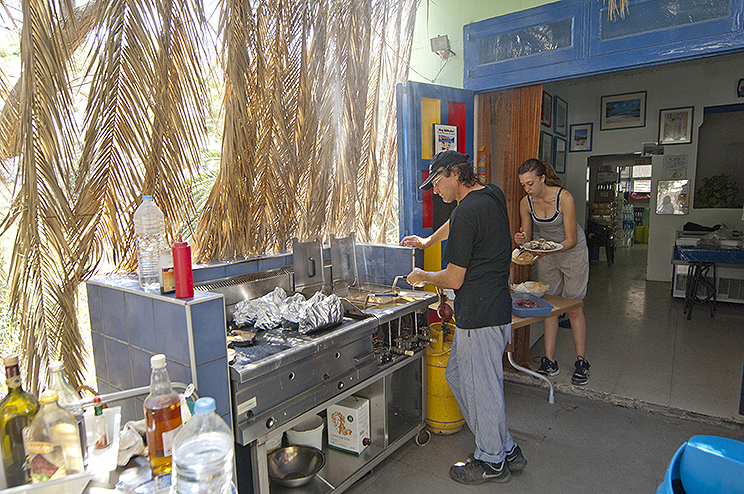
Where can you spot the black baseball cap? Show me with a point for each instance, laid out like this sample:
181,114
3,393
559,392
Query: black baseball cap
439,162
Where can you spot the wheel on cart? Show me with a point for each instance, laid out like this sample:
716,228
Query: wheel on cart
423,437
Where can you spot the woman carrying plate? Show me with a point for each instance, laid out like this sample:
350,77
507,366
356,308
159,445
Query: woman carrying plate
551,209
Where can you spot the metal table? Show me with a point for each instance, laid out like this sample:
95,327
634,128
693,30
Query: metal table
700,261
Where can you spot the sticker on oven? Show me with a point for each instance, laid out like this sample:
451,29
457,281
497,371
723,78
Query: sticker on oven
247,405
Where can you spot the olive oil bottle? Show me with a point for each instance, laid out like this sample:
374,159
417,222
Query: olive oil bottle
17,410
163,417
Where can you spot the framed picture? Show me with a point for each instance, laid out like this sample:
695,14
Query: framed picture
559,155
581,137
740,88
546,147
546,118
560,117
673,196
623,111
675,125
445,138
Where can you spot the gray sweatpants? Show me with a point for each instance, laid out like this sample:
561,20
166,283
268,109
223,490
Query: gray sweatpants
475,374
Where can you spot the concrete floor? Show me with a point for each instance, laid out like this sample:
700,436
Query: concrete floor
656,380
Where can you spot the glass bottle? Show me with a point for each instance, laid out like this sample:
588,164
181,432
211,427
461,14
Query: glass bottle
52,442
69,399
17,410
100,428
203,453
163,417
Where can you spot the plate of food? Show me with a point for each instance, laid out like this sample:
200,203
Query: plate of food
541,245
524,257
534,287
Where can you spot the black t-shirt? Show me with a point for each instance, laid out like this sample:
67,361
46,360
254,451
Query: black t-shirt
480,241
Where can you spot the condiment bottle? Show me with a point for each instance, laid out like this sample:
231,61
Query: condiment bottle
163,417
100,428
69,399
52,442
182,269
17,410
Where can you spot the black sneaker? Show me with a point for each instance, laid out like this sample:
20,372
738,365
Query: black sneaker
479,472
581,374
548,367
515,459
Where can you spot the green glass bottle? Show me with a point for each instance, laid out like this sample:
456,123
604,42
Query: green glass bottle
17,410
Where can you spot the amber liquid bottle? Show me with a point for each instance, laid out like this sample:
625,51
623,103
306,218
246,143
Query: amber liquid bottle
17,410
163,417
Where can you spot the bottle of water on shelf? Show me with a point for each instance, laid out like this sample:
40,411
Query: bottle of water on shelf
149,231
203,453
69,399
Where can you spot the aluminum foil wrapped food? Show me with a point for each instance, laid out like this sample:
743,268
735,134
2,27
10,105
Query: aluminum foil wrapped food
263,313
320,312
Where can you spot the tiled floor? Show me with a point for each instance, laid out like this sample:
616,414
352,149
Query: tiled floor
657,379
642,347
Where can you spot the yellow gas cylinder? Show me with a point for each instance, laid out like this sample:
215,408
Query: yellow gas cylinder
443,416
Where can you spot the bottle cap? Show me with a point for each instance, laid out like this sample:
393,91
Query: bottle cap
157,361
10,360
48,396
204,406
146,197
55,366
180,243
97,399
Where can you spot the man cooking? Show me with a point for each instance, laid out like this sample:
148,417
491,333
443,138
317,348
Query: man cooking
478,255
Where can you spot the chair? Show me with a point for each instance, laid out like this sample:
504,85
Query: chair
601,236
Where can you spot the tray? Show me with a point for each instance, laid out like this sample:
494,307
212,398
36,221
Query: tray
543,310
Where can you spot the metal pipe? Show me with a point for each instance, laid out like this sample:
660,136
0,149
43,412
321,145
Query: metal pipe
131,393
551,399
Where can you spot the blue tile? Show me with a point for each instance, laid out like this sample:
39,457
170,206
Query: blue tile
140,321
208,323
171,333
113,317
99,355
213,381
140,367
208,274
103,387
119,364
94,307
240,268
271,263
179,373
128,410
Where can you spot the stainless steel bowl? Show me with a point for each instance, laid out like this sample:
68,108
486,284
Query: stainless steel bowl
294,466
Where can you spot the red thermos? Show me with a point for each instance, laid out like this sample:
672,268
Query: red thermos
182,269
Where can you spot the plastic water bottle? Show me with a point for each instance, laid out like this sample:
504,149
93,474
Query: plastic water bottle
149,231
203,453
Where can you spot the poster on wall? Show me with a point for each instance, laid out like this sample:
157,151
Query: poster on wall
445,138
673,197
675,166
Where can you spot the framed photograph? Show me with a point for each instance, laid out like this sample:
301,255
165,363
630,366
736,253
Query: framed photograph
673,196
623,111
445,138
581,137
740,88
559,155
560,117
675,125
546,118
546,147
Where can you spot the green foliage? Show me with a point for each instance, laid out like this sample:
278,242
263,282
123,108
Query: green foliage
718,191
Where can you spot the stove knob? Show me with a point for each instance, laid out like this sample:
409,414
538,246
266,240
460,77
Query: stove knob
340,385
270,423
366,441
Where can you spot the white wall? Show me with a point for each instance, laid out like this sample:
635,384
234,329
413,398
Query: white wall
700,83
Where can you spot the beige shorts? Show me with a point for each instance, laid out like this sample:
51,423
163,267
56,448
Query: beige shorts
567,273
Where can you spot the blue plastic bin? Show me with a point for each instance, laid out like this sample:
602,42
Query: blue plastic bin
706,464
543,310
